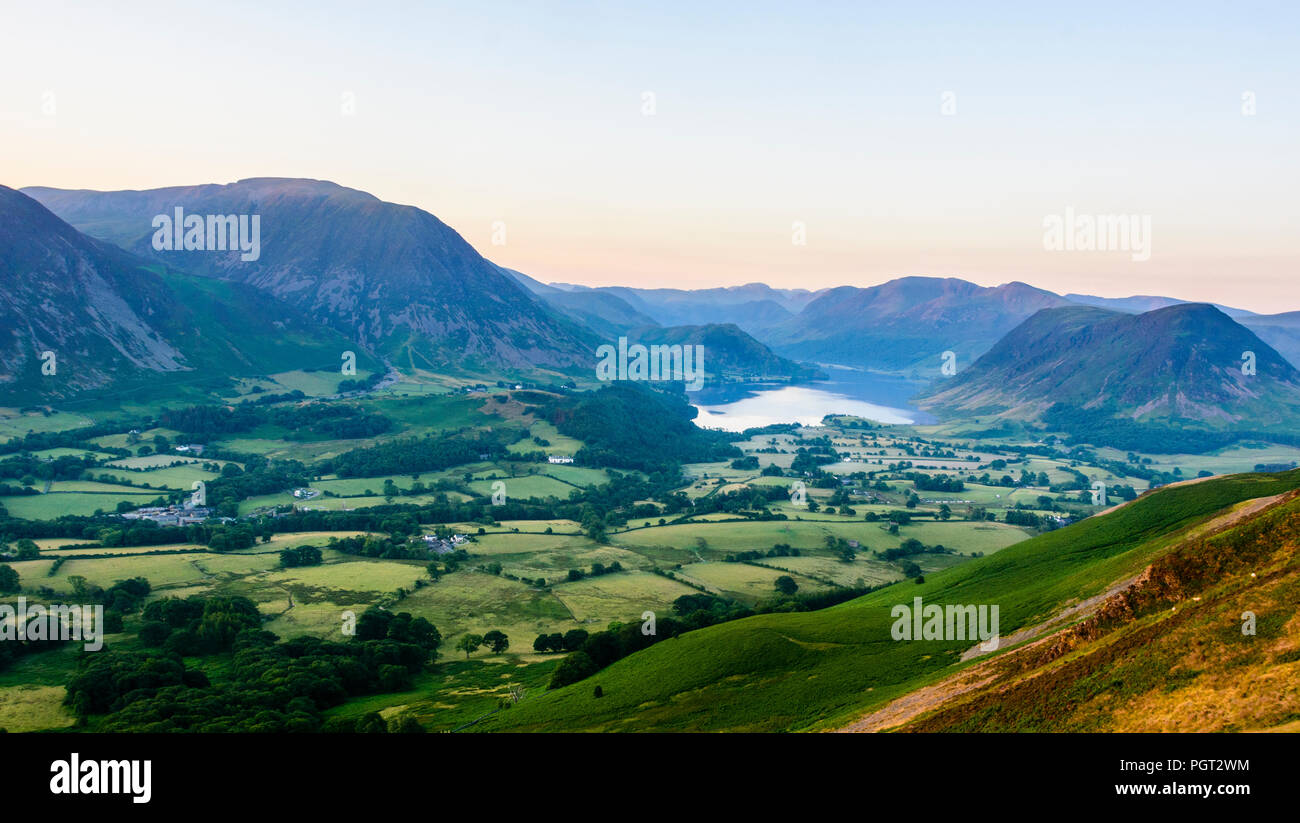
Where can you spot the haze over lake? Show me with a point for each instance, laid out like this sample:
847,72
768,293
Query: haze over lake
877,397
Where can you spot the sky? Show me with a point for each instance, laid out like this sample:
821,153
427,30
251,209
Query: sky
687,144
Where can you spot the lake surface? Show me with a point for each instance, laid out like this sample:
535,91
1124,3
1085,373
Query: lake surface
882,398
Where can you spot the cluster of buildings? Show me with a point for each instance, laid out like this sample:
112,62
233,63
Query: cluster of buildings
439,545
559,458
186,515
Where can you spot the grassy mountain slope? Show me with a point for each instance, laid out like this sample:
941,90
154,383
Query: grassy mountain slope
729,351
1167,653
1178,365
394,277
821,669
118,323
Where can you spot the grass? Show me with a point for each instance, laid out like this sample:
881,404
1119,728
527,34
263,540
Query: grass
742,581
29,708
623,596
559,444
810,670
722,538
525,487
174,477
456,692
51,506
471,601
16,424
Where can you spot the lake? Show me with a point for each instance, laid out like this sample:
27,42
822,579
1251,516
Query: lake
878,397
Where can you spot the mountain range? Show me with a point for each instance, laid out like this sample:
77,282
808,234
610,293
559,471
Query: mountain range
340,268
335,269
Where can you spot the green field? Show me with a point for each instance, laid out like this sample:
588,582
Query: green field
817,669
50,506
624,597
525,487
742,581
729,537
16,424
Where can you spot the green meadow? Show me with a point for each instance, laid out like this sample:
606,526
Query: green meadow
819,669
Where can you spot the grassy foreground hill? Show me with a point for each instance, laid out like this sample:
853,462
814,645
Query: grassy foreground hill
825,669
1207,639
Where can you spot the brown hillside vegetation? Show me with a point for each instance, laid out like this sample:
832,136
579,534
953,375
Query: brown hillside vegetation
1165,653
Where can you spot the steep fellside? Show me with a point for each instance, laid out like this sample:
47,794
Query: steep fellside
110,319
1206,639
1181,366
1281,331
395,277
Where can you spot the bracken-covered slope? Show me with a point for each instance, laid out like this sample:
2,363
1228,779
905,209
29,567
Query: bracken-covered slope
1205,639
395,277
829,668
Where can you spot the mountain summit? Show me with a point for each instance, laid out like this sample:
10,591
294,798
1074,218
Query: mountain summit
1188,364
80,314
398,278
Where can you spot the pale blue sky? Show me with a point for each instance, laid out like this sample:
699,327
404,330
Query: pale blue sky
766,114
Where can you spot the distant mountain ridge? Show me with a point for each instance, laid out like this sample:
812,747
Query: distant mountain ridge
906,324
1138,304
730,351
753,307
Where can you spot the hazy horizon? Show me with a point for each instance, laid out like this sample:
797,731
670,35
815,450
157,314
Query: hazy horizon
674,146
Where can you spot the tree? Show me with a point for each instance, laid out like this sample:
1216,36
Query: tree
373,624
785,584
371,723
405,723
573,668
8,579
154,633
27,549
469,644
497,641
